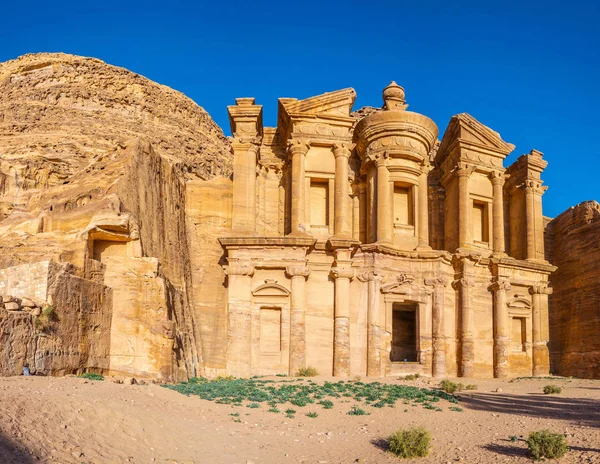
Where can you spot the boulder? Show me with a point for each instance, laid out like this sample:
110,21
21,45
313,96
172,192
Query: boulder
27,303
12,306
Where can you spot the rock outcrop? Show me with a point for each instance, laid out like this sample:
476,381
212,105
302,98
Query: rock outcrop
94,166
575,303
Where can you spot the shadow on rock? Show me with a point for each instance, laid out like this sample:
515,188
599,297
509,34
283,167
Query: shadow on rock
12,453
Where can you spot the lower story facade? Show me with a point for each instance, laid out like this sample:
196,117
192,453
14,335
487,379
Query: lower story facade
349,309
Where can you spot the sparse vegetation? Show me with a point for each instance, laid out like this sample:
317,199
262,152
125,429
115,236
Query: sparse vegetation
91,376
471,386
455,409
356,411
513,438
301,393
451,387
548,445
312,414
410,443
552,389
307,372
46,319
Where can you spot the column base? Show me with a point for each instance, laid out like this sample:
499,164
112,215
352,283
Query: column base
467,367
341,347
423,248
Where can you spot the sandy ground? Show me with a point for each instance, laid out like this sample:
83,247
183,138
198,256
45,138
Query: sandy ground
71,420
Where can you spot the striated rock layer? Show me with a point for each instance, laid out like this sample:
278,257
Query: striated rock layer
575,303
94,166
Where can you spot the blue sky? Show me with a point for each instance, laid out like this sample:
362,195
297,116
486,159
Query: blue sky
529,70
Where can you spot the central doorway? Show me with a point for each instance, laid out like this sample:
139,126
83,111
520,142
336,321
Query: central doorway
404,332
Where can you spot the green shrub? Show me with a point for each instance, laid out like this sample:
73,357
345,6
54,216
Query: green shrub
356,411
513,438
307,372
312,414
410,443
455,409
410,377
253,405
46,319
471,387
91,376
545,444
550,389
451,387
326,404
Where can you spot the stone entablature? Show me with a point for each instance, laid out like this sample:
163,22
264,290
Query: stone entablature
335,215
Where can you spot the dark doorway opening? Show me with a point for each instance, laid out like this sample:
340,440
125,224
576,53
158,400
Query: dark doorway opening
404,333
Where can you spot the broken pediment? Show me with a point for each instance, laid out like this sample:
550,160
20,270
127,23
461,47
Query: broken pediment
468,132
337,103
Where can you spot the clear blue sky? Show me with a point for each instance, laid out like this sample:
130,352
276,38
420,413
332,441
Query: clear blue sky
529,70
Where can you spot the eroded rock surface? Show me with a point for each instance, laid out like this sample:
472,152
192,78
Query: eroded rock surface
575,302
94,163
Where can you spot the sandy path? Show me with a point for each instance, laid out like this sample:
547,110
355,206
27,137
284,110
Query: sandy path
69,420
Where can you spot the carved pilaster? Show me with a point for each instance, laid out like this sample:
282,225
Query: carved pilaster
438,327
501,327
297,150
374,281
467,357
298,274
539,320
341,336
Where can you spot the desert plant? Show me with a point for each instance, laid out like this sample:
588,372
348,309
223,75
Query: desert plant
312,414
545,444
356,411
91,376
410,443
307,372
327,404
253,405
471,387
46,319
451,387
455,409
513,438
410,377
551,389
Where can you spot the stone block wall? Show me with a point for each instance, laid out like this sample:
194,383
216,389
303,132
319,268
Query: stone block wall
26,281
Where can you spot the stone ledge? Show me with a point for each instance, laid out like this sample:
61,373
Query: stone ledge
266,241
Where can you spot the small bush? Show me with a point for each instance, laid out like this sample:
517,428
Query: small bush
551,389
513,438
356,411
455,409
91,376
253,405
410,443
451,387
327,404
545,444
307,372
46,319
410,377
471,387
312,414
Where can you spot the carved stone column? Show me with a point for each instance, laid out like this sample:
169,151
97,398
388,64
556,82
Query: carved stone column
374,281
423,214
244,185
464,207
384,194
438,326
530,188
239,318
298,274
501,328
298,150
371,209
497,178
341,327
541,355
341,222
467,357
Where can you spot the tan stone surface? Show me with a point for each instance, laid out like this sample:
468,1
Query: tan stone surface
574,317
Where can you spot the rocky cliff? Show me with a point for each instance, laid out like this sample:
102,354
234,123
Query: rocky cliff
94,164
575,303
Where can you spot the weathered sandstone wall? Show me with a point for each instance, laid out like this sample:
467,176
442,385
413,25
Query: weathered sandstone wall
575,302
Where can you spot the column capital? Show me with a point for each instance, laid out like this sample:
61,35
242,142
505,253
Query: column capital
379,159
297,270
497,177
342,273
343,149
540,288
241,269
533,186
370,276
500,283
464,169
436,281
465,282
298,146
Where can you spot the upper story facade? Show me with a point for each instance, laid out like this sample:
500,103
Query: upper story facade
382,176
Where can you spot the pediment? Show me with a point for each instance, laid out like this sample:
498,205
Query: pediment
519,303
270,289
468,130
337,103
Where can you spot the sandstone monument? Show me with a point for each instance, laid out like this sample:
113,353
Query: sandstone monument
136,239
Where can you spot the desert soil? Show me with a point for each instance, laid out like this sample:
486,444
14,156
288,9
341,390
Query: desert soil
72,420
